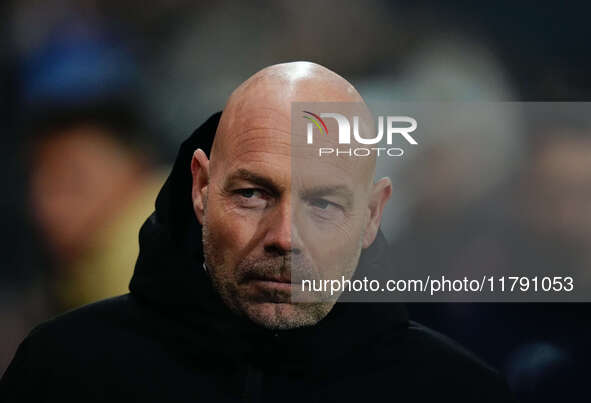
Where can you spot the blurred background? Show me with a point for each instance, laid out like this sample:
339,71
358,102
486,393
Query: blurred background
99,94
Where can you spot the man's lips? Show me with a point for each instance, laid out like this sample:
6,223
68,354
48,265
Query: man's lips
269,288
270,279
273,286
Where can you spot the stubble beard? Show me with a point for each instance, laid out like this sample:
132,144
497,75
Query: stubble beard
270,311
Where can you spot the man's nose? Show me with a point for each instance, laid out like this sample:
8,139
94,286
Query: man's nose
281,237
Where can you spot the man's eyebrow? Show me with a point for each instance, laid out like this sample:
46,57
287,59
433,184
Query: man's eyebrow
341,191
259,180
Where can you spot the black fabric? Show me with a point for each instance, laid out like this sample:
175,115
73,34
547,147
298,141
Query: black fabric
172,339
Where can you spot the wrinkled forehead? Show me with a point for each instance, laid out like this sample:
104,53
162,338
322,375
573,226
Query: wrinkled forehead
269,139
253,131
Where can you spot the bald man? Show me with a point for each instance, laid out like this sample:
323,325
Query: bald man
213,312
245,200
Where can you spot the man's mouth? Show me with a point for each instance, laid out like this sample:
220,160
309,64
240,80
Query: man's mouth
271,278
274,279
276,282
271,288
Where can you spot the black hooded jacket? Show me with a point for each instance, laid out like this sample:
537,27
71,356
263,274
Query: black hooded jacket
171,339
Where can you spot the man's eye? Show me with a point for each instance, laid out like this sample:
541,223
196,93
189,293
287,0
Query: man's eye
325,211
251,198
324,204
320,203
248,193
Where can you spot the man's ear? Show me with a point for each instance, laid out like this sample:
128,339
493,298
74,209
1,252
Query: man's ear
200,172
380,194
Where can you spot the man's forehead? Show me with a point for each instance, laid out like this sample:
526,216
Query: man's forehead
261,142
309,170
264,117
256,137
256,126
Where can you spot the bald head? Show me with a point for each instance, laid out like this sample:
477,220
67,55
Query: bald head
267,225
281,84
271,92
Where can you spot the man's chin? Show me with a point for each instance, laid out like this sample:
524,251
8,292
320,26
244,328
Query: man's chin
282,316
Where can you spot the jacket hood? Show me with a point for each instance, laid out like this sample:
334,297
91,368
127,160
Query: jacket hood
169,277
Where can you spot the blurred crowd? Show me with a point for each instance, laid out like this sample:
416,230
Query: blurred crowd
98,95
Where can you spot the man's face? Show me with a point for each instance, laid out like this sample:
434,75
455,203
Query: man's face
266,227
